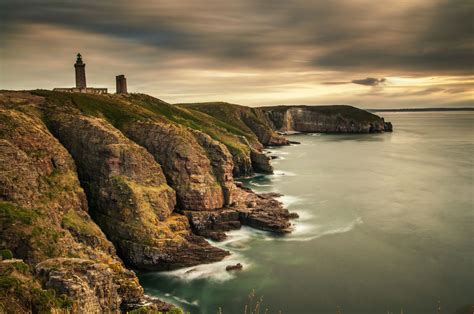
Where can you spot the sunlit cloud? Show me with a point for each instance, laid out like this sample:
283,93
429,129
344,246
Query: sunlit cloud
411,53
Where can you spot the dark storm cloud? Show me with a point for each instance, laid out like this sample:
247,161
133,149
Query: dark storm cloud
370,81
425,36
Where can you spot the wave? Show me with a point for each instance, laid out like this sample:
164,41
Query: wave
307,232
213,271
259,185
236,242
277,152
181,300
289,200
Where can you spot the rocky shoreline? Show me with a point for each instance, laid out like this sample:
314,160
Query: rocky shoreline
93,184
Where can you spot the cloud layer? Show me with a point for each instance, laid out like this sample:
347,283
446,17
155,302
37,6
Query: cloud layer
254,52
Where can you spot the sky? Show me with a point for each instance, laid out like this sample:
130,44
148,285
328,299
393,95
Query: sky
367,53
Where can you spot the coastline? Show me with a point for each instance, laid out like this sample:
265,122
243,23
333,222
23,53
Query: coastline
107,158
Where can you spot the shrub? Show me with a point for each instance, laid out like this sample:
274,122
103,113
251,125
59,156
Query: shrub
6,254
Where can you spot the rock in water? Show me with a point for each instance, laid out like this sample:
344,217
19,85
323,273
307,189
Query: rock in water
237,266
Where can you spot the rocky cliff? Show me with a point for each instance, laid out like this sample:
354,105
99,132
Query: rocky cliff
251,124
44,216
325,119
92,183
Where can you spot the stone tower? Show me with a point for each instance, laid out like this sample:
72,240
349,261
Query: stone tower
80,72
121,84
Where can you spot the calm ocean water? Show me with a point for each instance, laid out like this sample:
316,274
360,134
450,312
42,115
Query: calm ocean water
387,223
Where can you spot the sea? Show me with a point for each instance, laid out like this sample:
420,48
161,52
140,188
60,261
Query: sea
386,226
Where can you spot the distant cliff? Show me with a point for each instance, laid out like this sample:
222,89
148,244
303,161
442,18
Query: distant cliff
325,119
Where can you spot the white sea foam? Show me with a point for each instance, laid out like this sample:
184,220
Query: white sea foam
283,173
181,300
289,200
308,232
278,152
213,271
259,184
236,242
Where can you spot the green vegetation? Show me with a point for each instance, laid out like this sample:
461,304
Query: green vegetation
6,254
112,109
238,120
120,110
217,129
18,289
73,221
11,213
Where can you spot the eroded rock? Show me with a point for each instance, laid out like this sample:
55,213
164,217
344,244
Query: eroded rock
185,162
129,196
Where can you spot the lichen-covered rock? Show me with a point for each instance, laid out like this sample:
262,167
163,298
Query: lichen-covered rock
221,161
324,119
261,162
22,292
129,196
186,164
91,284
43,209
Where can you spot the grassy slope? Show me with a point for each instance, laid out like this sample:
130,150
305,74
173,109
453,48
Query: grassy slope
231,115
119,110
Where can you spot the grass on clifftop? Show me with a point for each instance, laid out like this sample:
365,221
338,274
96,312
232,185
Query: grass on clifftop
120,110
240,119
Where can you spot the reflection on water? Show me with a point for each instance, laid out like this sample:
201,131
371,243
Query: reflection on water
386,223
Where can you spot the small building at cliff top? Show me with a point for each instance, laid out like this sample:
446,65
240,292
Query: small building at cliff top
81,86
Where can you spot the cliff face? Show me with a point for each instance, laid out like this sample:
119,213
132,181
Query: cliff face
252,125
87,181
43,216
129,196
186,164
250,122
325,119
